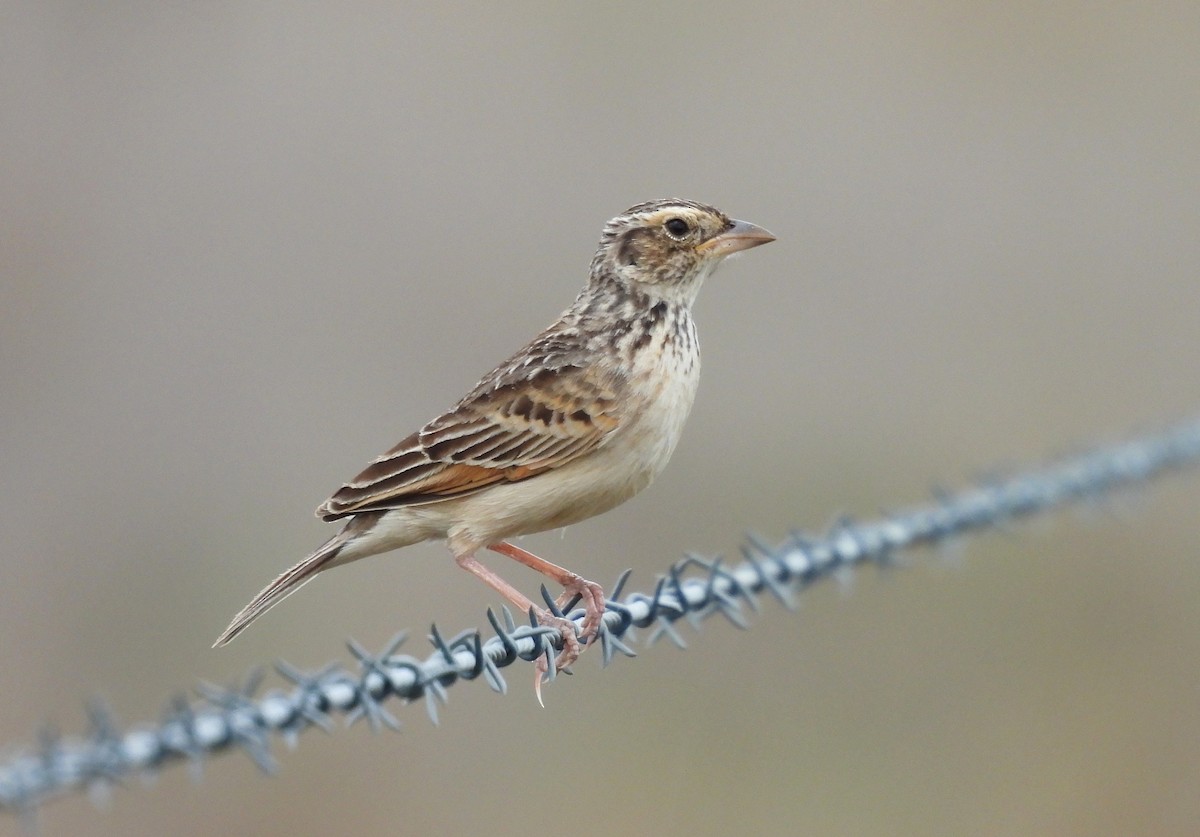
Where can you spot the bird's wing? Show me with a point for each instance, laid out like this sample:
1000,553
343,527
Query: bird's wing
513,426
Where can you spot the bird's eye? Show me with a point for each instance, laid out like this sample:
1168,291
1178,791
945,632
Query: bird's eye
677,227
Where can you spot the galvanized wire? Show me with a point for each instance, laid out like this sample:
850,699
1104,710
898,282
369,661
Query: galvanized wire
693,589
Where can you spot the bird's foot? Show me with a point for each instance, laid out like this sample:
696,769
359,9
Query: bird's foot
571,649
574,638
591,595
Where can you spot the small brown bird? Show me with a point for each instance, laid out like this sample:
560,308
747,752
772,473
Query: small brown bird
572,425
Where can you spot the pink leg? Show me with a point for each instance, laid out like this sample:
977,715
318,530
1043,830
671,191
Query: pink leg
571,647
572,584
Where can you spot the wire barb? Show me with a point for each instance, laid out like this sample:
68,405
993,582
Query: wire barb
693,589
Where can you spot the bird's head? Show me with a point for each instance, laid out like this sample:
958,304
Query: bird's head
665,248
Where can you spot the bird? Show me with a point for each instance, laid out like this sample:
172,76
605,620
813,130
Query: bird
578,421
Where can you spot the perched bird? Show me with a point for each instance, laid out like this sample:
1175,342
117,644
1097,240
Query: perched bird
572,425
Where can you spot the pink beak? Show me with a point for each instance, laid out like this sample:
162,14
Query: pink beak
741,236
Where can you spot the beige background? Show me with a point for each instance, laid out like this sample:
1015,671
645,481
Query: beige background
245,247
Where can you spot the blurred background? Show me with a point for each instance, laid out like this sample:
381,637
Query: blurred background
246,247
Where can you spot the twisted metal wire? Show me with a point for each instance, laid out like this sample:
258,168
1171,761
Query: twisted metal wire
692,589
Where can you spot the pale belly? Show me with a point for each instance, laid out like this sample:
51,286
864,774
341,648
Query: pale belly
624,465
581,489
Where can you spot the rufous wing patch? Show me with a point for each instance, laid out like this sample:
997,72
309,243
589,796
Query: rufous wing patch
507,433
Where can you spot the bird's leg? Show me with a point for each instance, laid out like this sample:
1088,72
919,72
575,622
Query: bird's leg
590,592
571,647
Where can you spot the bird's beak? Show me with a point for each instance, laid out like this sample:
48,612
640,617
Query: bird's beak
741,236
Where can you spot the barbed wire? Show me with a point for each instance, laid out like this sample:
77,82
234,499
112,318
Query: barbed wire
692,589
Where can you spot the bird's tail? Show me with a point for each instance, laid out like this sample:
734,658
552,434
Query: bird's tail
295,578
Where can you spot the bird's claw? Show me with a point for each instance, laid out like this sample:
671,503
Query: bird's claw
574,636
571,649
591,595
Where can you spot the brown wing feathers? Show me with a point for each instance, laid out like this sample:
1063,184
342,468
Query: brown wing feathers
507,432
